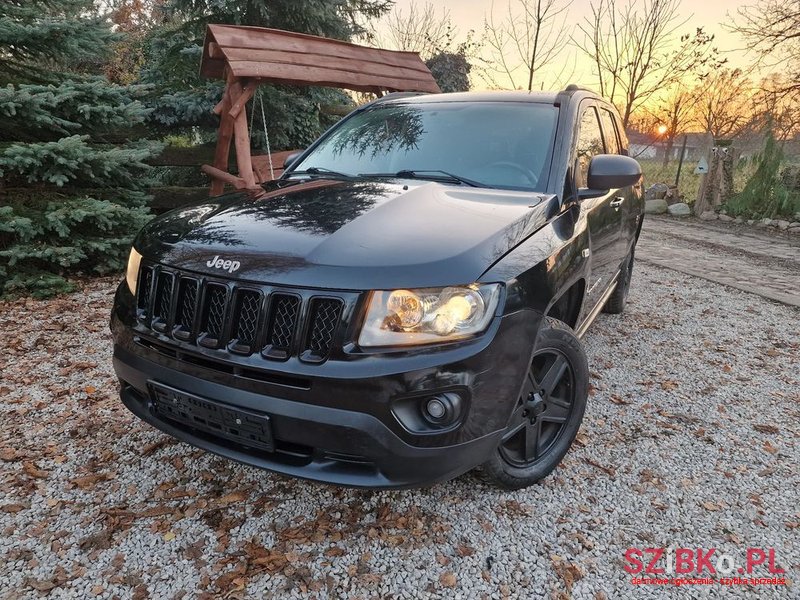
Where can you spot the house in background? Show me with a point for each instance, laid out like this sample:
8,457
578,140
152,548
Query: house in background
645,146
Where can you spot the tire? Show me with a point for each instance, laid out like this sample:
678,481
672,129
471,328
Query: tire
548,414
615,305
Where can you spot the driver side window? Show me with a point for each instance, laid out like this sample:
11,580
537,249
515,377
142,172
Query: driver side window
590,143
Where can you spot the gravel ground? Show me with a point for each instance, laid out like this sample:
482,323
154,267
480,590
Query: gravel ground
690,439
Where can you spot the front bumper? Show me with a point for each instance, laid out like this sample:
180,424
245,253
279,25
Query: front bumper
338,422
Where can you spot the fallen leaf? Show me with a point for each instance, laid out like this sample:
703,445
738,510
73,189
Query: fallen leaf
710,506
169,536
568,572
88,481
41,586
8,454
12,508
770,448
31,469
448,579
610,471
618,399
764,428
232,498
90,389
463,550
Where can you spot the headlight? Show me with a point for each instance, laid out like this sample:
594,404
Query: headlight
428,316
132,273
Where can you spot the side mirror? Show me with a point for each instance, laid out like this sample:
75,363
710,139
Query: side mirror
612,171
291,158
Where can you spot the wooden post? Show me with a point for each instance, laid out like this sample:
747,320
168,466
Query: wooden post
680,162
247,92
241,136
223,141
701,203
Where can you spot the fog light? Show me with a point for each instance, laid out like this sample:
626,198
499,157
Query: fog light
436,409
442,410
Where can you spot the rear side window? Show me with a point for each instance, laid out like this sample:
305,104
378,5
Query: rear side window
610,131
590,143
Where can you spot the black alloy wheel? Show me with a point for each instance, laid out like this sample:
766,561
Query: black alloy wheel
543,409
548,413
615,304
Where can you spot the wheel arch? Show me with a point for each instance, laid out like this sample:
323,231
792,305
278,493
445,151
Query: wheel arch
566,307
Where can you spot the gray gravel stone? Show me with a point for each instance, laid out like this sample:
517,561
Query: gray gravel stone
709,215
655,207
657,191
681,209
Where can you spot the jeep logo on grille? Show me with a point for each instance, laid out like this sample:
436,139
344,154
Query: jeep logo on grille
227,265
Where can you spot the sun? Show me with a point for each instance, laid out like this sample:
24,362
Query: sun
662,129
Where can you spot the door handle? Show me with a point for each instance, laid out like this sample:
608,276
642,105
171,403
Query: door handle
617,202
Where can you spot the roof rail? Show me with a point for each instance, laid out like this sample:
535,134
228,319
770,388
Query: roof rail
574,87
390,96
396,95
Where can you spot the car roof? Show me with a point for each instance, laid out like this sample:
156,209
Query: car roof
489,96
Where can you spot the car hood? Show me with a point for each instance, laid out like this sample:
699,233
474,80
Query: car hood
348,234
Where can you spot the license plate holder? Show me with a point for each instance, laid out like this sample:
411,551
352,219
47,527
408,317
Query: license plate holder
245,427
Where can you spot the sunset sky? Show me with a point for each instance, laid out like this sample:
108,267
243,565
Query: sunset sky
709,14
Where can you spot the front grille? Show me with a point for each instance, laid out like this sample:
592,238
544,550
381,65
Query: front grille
243,319
324,317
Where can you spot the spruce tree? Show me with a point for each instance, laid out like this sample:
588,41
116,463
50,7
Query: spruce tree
72,190
293,113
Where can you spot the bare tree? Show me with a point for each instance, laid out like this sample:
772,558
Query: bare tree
771,29
722,103
633,48
528,36
419,29
776,110
674,113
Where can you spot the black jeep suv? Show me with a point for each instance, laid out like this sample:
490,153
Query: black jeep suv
402,305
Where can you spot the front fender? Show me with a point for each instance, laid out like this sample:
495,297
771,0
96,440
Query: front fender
546,264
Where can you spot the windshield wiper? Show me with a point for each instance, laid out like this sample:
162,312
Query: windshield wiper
432,175
320,171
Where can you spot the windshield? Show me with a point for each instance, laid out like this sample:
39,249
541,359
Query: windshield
492,144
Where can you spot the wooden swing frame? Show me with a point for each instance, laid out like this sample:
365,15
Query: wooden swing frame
246,57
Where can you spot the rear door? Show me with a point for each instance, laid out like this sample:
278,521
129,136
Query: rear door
604,218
